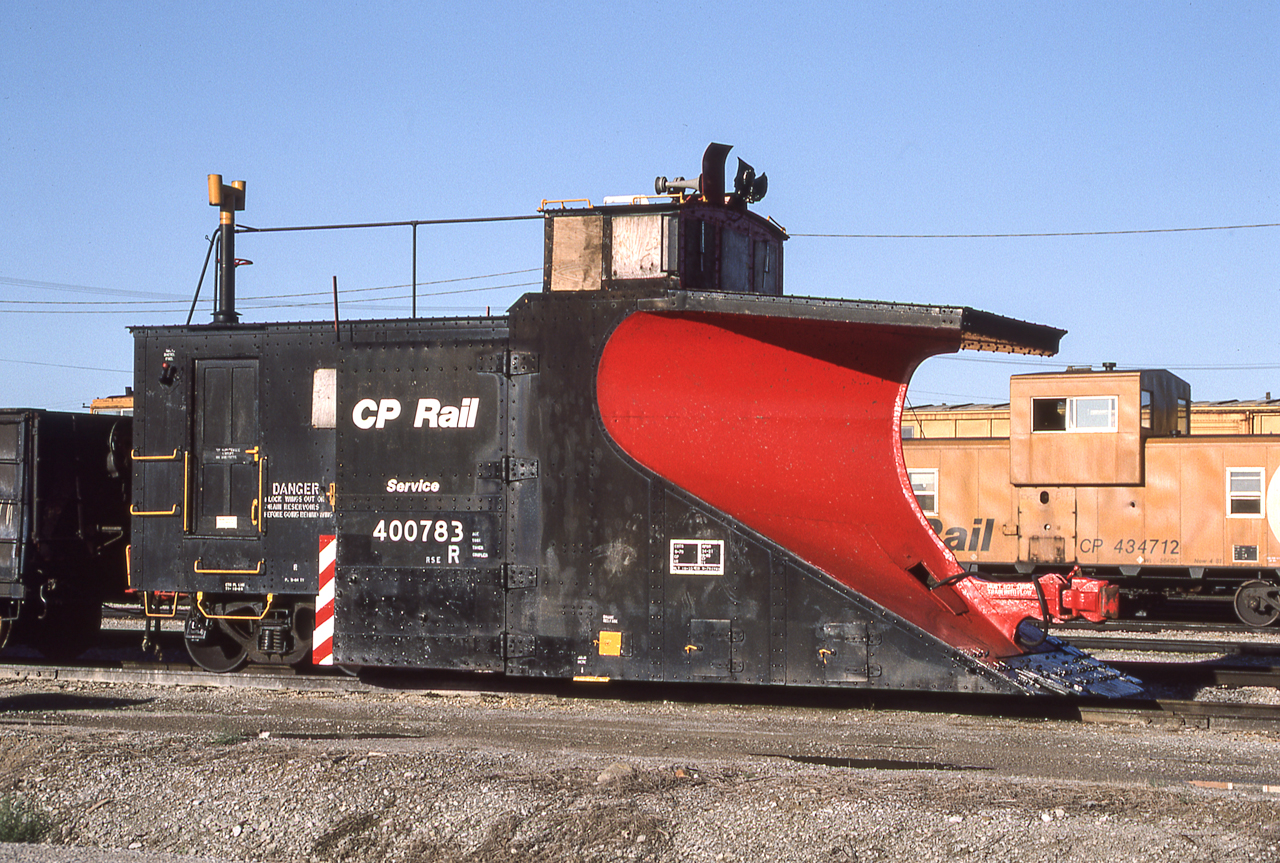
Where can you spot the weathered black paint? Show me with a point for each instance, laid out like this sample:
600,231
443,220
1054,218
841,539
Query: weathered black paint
64,524
536,547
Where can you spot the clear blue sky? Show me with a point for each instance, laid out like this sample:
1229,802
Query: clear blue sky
869,118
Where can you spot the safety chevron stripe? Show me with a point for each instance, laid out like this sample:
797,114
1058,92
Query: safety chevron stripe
322,638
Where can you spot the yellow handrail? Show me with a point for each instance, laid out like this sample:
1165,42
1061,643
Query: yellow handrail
133,510
562,203
146,606
200,599
255,511
133,454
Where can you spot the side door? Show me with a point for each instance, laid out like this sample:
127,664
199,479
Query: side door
229,461
1046,525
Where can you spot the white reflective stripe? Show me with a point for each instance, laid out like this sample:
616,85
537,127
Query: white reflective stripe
328,556
325,596
322,635
322,638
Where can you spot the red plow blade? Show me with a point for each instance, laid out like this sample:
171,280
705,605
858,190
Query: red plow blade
792,426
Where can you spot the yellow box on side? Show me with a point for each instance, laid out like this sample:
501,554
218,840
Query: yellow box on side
610,643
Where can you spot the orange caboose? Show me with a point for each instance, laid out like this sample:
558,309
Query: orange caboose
1099,471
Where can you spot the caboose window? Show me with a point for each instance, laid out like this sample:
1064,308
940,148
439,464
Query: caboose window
924,485
1048,414
1244,491
1092,413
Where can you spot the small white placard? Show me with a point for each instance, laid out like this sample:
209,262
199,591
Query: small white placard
226,522
697,557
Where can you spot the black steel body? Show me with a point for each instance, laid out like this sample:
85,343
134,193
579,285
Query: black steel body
453,494
232,474
231,470
484,518
64,524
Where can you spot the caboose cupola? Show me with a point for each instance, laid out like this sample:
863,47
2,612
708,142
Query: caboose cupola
689,236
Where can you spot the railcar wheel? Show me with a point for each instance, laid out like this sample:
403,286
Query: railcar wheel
217,651
220,646
1258,603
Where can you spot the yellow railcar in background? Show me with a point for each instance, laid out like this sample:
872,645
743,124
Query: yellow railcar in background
1102,470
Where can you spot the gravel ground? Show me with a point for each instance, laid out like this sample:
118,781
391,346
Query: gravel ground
245,775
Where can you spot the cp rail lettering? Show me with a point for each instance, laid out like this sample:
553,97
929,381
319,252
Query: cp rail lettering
430,412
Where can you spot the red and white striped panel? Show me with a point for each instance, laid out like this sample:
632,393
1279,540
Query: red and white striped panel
322,638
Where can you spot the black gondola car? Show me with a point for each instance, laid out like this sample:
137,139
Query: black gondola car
64,525
640,473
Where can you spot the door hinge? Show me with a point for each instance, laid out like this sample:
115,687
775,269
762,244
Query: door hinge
514,469
510,469
517,577
517,645
521,363
509,363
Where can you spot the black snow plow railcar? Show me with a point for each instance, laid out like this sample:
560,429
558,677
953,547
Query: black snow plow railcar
642,472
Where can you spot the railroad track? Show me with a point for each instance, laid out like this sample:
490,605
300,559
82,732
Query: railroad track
1174,645
1213,715
1200,674
183,674
1229,661
1131,625
140,669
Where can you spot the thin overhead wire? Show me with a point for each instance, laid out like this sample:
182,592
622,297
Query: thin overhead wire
1044,234
420,284
246,229
83,303
1059,363
134,306
64,366
85,289
248,302
152,300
